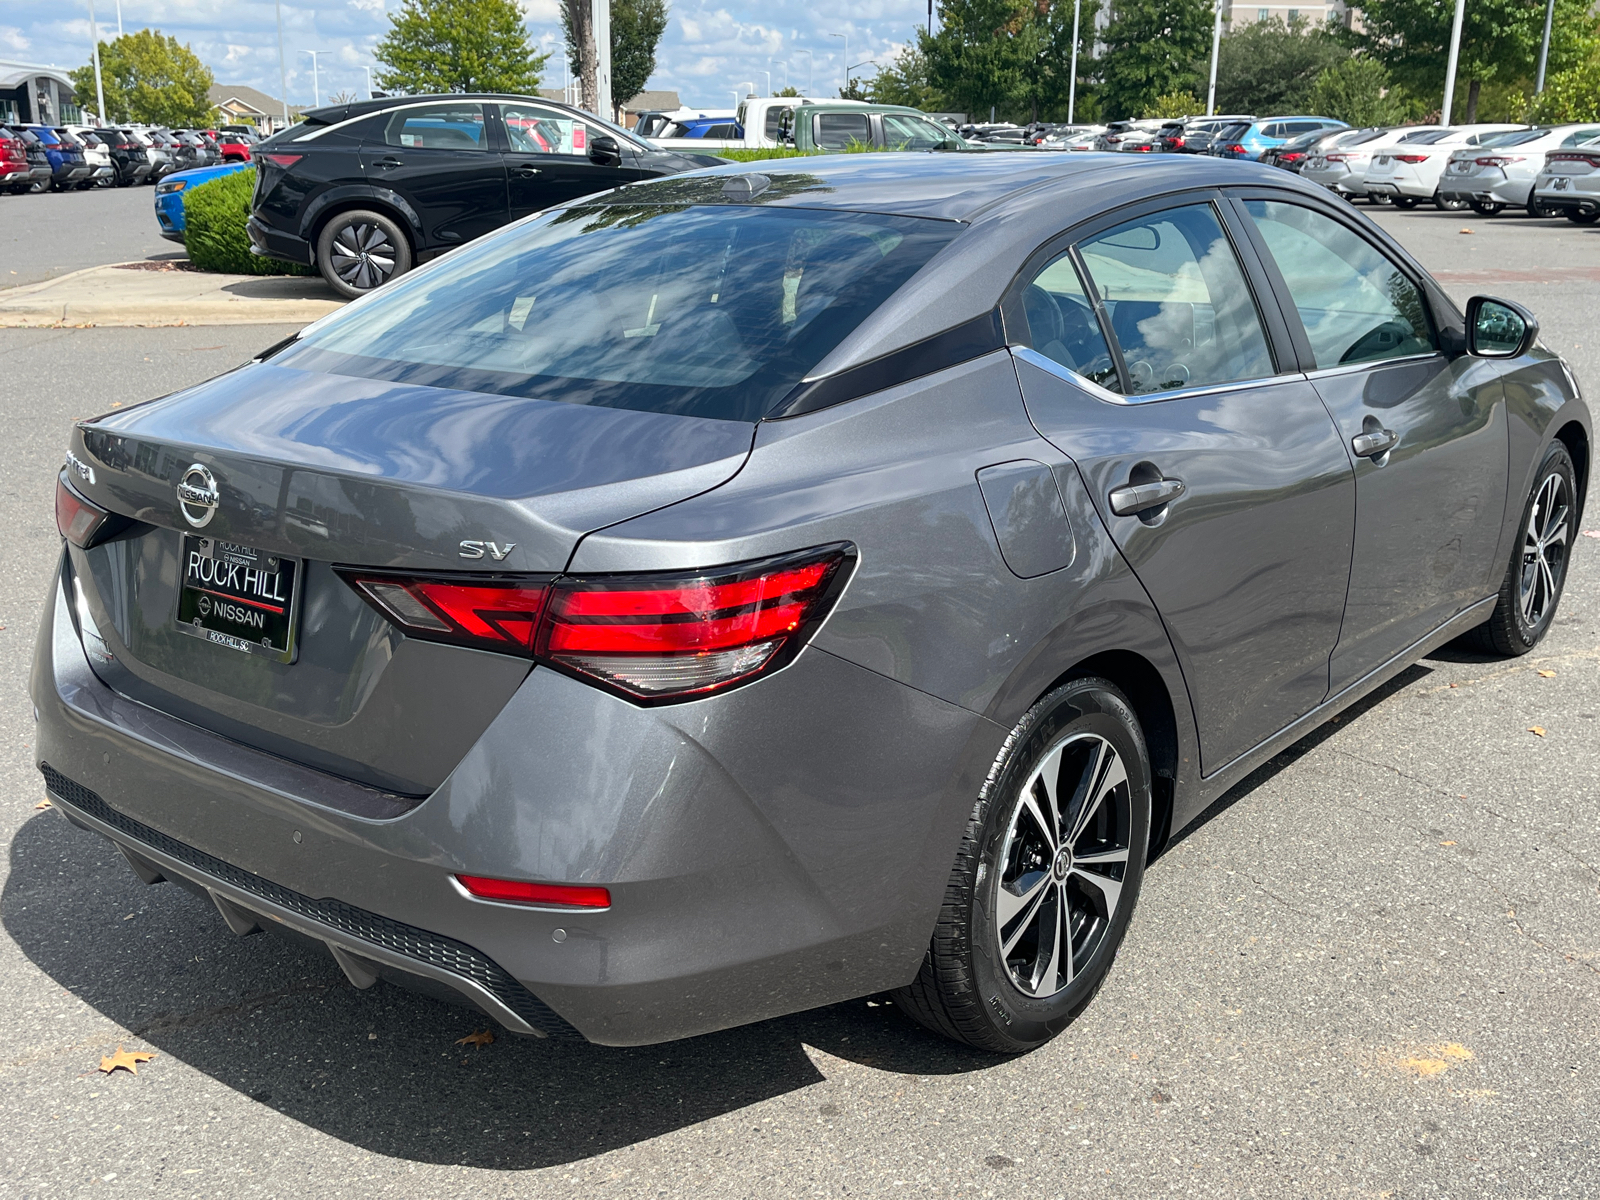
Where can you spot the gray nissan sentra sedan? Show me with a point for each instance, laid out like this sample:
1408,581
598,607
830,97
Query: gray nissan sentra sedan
756,589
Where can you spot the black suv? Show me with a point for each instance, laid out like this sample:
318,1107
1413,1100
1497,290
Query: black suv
364,191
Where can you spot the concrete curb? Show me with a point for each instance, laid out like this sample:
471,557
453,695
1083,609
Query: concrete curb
115,295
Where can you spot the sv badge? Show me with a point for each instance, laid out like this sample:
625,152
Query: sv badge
476,549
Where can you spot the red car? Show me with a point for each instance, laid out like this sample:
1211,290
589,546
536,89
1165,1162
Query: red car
235,147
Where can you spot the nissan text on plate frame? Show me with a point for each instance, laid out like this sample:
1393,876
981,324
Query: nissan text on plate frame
753,590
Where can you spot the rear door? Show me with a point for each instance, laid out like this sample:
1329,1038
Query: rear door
438,157
546,157
1426,434
836,131
1217,471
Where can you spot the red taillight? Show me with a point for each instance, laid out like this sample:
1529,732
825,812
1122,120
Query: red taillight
484,612
1144,148
1177,141
1554,157
1336,158
76,519
1498,160
516,891
1236,148
1411,158
652,638
1294,156
283,160
656,637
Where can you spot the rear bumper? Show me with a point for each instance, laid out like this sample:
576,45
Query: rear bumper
781,852
267,242
1562,202
1513,192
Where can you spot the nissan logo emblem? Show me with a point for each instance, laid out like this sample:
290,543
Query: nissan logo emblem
197,496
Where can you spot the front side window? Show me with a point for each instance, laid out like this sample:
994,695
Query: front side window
837,131
531,129
905,132
453,126
1179,305
1356,305
705,310
1063,327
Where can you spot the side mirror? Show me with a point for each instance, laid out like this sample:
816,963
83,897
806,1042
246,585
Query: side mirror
604,151
1499,328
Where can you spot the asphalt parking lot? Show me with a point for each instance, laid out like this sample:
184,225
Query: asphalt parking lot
47,234
1372,970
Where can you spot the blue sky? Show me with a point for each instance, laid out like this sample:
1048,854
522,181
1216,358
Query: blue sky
709,49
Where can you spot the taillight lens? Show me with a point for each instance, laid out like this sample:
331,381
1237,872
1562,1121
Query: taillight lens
1293,156
76,519
1411,158
653,638
1498,160
283,160
1550,158
1335,158
516,891
484,612
1236,148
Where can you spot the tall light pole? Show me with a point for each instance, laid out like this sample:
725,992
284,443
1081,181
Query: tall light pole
1216,44
846,38
1455,57
283,67
99,92
768,74
316,85
119,18
1072,75
368,70
1544,46
811,71
601,23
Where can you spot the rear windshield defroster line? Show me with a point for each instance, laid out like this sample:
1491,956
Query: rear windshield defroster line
712,311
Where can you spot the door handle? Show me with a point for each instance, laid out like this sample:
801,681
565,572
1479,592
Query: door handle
1135,498
390,161
527,172
1374,443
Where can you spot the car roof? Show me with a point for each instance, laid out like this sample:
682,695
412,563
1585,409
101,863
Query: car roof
944,186
332,114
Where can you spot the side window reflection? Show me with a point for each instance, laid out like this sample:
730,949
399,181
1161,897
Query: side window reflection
1062,325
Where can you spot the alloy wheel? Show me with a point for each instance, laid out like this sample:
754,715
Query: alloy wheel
1062,864
363,255
1544,551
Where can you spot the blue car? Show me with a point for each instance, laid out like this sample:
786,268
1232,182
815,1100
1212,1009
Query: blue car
68,167
169,195
1255,139
707,127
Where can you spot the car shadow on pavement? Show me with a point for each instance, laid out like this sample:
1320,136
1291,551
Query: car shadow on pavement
381,1069
283,287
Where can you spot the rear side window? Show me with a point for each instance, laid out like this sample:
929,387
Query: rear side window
836,131
1063,327
1180,308
1272,131
705,310
457,126
1579,137
1356,305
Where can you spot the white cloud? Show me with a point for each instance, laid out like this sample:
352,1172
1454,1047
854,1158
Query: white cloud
11,39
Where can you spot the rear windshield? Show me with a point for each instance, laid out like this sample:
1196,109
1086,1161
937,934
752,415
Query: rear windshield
704,310
1429,138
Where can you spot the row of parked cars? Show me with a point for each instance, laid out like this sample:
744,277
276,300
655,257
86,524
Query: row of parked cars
61,158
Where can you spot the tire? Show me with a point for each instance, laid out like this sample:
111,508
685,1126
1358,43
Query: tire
1379,199
1444,204
1583,218
988,980
1405,203
360,250
1488,208
1537,209
1537,573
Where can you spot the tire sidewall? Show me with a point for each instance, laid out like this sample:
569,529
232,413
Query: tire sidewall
403,254
1085,706
1555,461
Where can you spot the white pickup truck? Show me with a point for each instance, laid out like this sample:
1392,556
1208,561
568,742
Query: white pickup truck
759,117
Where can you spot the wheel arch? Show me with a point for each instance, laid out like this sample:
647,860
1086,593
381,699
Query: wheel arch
1575,438
386,205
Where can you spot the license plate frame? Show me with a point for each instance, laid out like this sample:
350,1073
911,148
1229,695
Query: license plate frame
240,597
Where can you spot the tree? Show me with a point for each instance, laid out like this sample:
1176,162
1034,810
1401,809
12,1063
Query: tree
1152,47
458,46
1009,55
1268,67
905,81
787,91
150,79
1357,91
1570,95
1173,104
853,89
1499,42
636,29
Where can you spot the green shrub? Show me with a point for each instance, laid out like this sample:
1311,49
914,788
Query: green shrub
1572,95
1357,91
214,216
1172,105
757,155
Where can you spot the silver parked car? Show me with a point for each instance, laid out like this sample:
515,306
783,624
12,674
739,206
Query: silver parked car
1569,183
1342,167
1504,174
754,589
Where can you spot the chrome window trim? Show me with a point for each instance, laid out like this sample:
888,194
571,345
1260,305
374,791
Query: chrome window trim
1369,364
1029,355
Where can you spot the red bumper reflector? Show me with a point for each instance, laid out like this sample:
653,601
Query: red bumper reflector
76,519
516,891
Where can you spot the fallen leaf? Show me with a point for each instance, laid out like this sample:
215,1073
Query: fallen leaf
1547,674
1538,729
1594,533
44,804
1466,231
1447,843
483,1037
127,1059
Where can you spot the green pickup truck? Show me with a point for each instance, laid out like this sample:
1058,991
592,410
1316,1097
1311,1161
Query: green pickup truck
831,128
